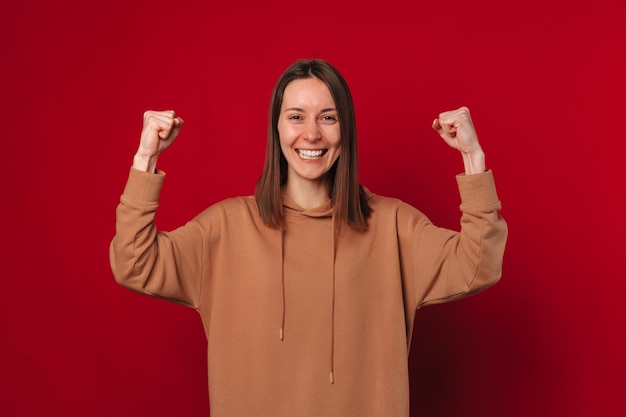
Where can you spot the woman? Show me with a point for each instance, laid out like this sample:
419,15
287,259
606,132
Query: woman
308,290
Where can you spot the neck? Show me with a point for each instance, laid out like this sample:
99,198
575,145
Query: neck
307,194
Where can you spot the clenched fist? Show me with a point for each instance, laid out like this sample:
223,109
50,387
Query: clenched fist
160,129
457,129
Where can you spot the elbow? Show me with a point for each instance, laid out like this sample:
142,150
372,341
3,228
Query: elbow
483,281
493,279
489,268
121,267
486,275
125,277
121,274
120,278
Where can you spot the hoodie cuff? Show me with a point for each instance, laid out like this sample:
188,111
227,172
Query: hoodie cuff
143,188
478,191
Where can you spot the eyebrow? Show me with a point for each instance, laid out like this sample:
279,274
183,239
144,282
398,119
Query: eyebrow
302,110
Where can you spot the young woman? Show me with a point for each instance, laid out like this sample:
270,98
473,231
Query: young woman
308,290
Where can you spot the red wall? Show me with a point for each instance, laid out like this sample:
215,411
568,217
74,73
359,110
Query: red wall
545,82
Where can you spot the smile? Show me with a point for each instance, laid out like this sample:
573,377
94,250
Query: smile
311,153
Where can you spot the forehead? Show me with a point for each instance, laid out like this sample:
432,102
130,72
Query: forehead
307,92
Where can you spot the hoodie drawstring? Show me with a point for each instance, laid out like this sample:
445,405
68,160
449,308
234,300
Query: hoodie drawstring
332,325
281,333
282,277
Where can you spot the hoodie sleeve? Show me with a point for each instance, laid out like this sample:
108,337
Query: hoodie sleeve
161,264
441,265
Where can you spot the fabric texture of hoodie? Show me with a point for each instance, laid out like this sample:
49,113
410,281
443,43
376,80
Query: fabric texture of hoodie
311,320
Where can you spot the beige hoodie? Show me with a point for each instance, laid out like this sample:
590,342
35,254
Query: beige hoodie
308,321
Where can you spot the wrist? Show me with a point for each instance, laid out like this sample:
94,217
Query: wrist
145,163
474,162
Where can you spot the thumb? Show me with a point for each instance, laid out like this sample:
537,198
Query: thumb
171,131
444,130
436,125
178,124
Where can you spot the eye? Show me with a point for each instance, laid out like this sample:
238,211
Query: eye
295,117
329,118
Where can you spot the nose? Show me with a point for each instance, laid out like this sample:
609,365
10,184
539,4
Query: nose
311,131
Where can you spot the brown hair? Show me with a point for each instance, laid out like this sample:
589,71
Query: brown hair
346,194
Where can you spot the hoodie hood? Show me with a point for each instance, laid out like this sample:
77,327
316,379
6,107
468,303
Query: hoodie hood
325,209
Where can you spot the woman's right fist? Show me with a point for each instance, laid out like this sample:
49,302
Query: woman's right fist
160,129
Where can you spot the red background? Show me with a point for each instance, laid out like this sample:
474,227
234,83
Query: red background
545,82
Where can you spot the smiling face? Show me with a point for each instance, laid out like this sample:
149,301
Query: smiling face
308,127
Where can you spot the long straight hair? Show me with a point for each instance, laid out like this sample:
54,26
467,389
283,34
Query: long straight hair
347,196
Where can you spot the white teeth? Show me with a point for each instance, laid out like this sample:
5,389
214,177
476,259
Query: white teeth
310,154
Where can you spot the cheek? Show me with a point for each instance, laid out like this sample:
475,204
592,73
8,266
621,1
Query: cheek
333,136
285,134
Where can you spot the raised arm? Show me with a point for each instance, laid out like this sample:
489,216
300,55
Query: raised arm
161,264
448,264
